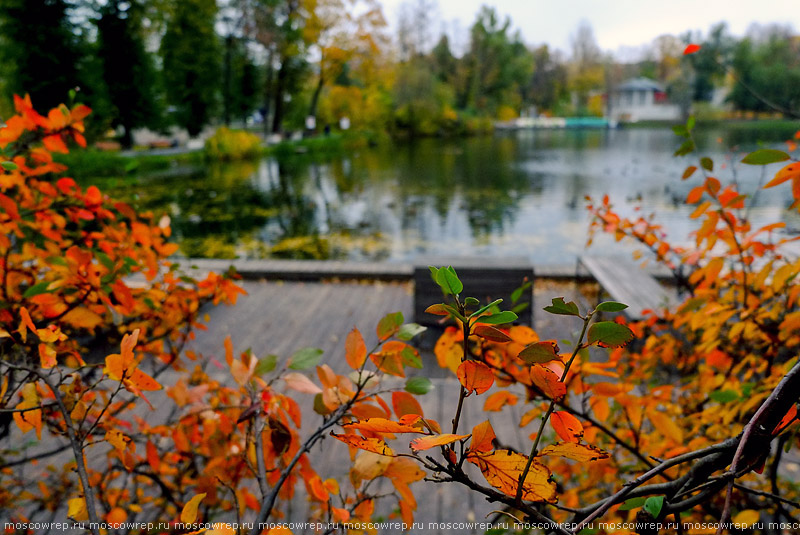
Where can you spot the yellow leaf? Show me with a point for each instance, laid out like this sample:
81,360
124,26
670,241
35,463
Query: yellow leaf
577,452
116,439
375,445
431,441
665,425
30,419
189,513
83,318
503,468
747,517
368,466
77,509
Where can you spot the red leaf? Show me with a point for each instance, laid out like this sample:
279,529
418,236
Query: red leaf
482,437
548,382
566,426
690,49
491,333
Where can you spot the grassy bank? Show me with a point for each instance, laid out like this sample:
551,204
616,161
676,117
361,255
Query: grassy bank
97,163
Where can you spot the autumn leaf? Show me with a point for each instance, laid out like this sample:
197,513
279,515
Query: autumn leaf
375,445
503,468
482,438
691,49
577,452
355,350
498,400
548,382
76,509
475,376
491,333
367,466
790,172
382,425
26,416
431,441
665,425
189,512
566,426
404,403
300,383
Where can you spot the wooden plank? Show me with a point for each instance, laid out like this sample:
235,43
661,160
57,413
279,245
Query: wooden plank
627,283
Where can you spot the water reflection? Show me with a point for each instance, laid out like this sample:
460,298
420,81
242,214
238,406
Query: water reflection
512,194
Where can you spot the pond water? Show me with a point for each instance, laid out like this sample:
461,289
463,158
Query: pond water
512,194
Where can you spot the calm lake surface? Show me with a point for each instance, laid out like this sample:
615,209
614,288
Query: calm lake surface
512,194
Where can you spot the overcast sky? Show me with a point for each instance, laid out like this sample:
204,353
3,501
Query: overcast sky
619,25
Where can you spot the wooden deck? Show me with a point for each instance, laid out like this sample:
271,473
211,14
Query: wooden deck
282,317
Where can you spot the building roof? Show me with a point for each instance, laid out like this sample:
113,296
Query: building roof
640,84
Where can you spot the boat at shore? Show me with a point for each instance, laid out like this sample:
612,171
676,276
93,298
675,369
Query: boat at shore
530,123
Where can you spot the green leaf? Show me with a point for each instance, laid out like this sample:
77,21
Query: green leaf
685,148
266,364
434,272
653,505
707,163
724,396
765,156
56,261
409,331
8,166
539,352
680,130
418,385
562,308
389,324
609,334
131,166
37,289
633,503
105,260
319,406
485,308
449,282
498,319
690,123
471,302
411,358
305,358
611,306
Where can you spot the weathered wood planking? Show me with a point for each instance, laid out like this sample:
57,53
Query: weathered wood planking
627,283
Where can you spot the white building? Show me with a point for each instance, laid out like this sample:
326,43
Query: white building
642,99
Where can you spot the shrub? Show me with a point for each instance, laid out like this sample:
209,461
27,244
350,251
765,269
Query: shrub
227,144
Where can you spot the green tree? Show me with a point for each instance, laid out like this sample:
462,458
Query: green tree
127,67
40,51
709,62
767,74
191,63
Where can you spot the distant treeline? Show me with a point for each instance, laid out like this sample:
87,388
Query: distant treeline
191,63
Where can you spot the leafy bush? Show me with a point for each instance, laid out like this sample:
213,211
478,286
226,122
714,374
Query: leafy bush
227,144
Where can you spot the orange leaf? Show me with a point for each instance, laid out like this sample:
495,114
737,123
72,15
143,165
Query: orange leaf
498,400
26,322
116,439
566,426
301,383
382,425
189,512
475,376
482,437
404,403
787,173
47,356
548,382
502,470
228,350
318,489
788,418
117,515
153,459
355,351
431,441
577,452
83,317
54,143
375,445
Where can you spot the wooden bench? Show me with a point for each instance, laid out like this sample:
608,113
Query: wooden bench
484,278
628,283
